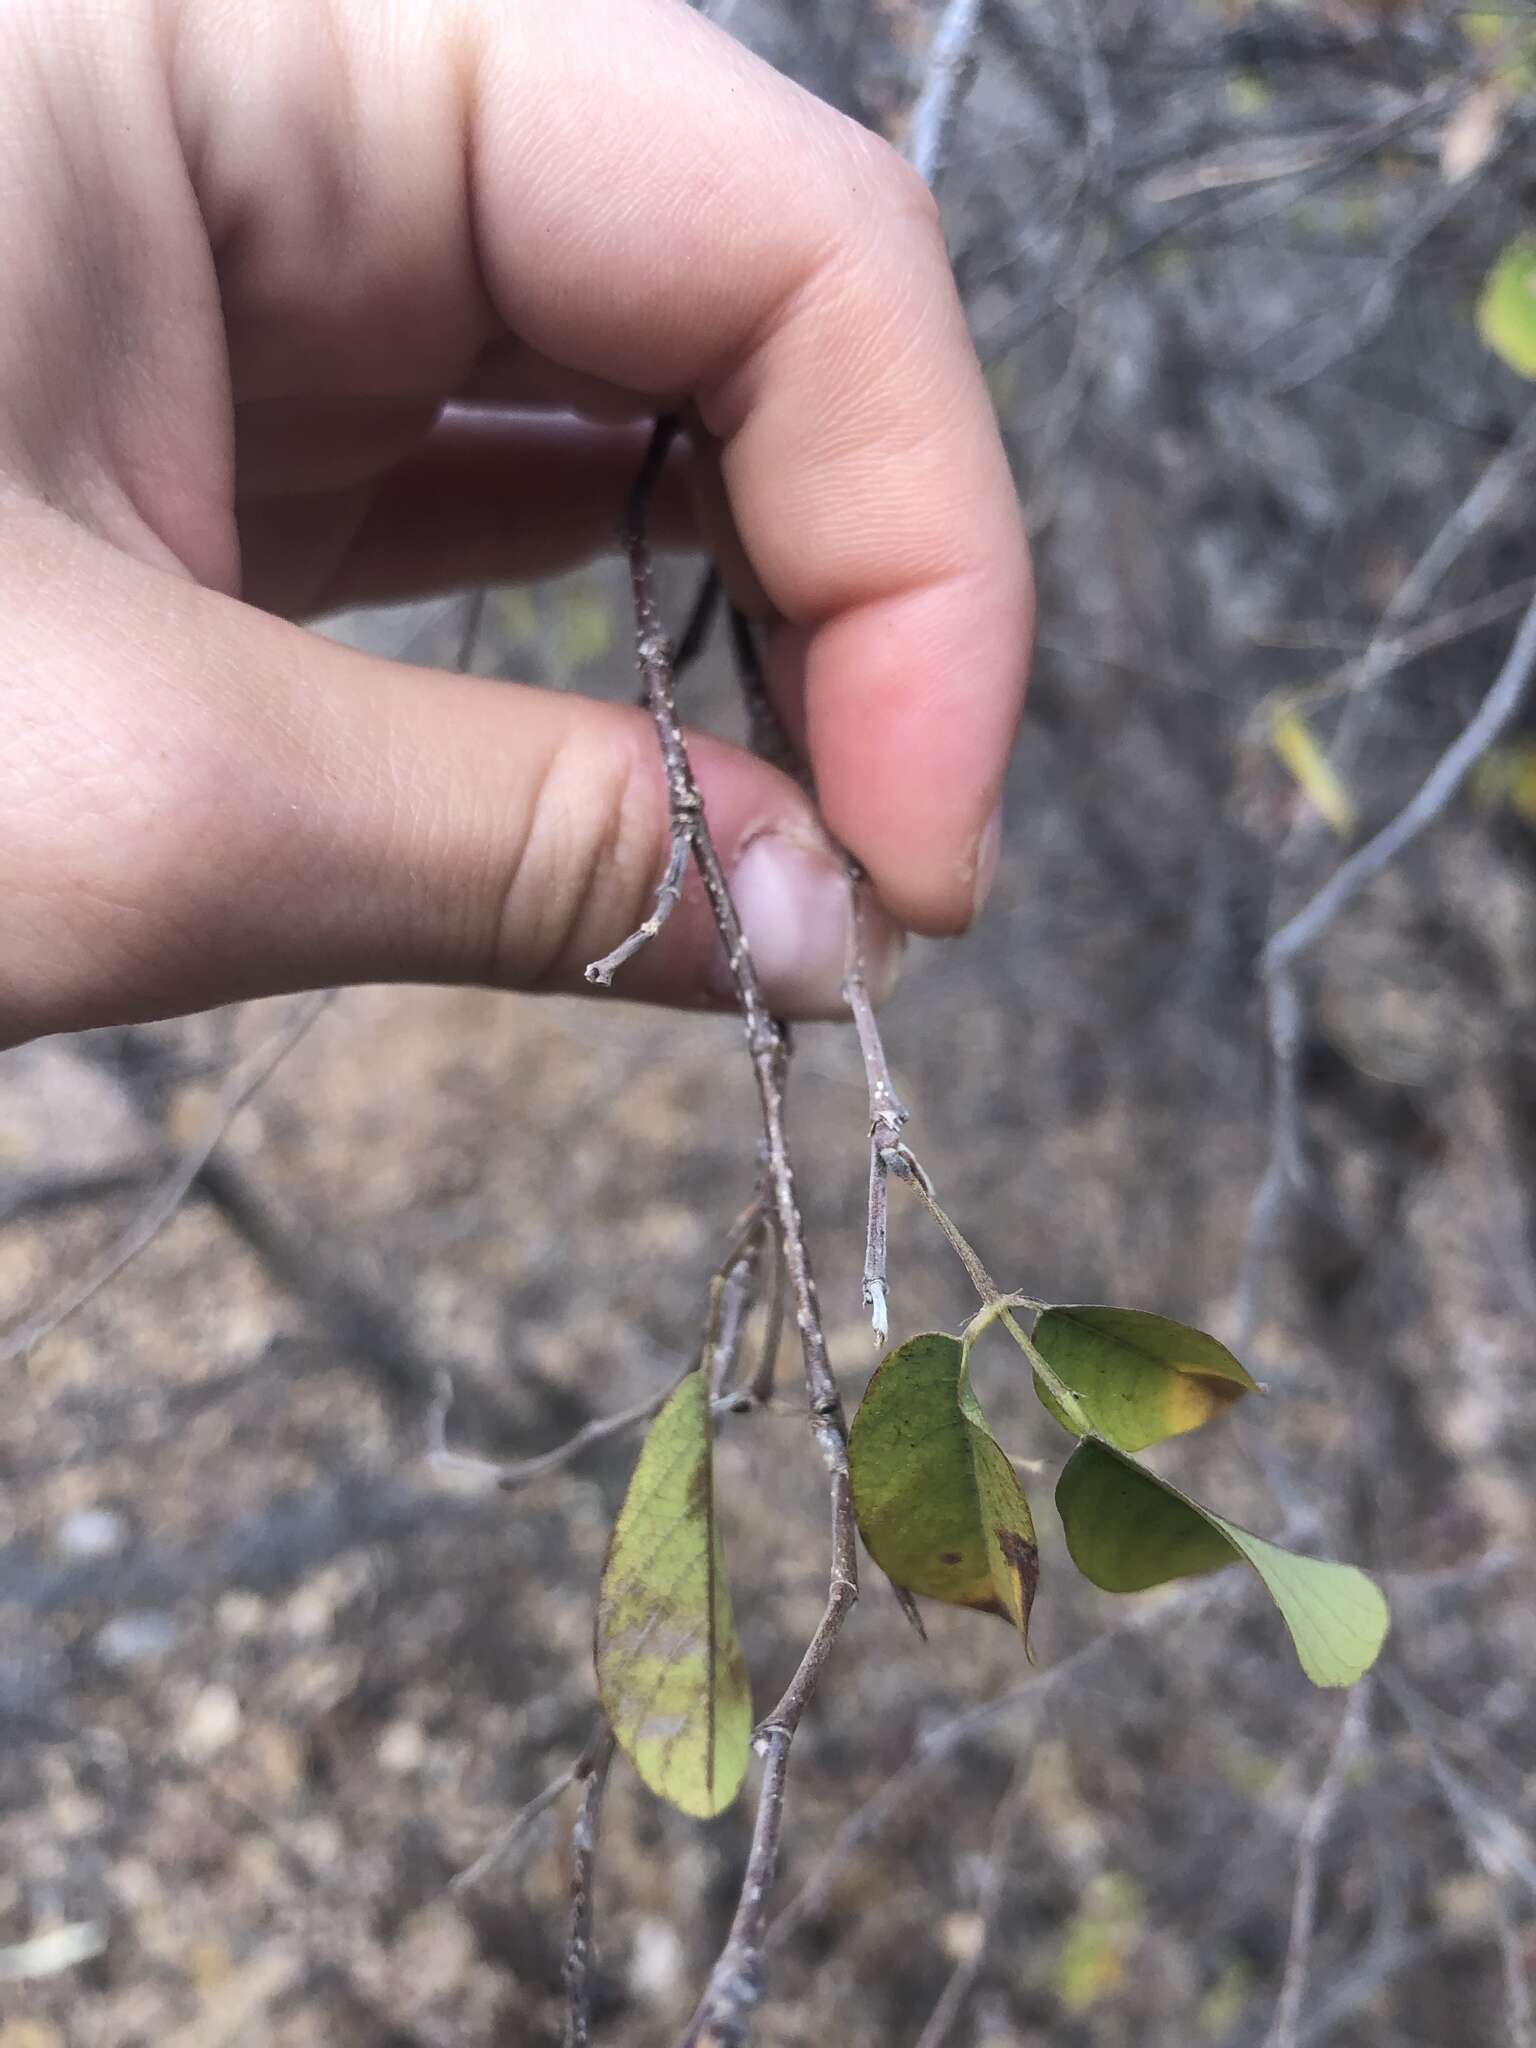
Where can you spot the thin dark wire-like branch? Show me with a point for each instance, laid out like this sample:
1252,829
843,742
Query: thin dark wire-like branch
577,1970
767,735
701,620
1309,1848
247,1080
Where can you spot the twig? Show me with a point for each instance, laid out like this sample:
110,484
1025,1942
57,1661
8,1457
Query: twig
1374,309
1284,1006
522,1823
1498,710
765,1037
43,1190
947,72
733,1295
769,738
521,1473
761,1385
1472,516
577,1969
1244,209
1027,1699
1392,653
668,895
724,2013
247,1080
1489,1852
962,1981
887,1113
361,1314
935,1746
1309,1846
1496,1839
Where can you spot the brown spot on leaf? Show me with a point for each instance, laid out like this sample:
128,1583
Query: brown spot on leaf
701,1490
1023,1560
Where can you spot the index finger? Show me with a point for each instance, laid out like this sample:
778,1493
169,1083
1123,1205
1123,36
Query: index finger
654,206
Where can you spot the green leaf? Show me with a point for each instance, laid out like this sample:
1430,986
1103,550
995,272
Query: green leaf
670,1672
938,1502
1138,1378
1127,1531
1506,312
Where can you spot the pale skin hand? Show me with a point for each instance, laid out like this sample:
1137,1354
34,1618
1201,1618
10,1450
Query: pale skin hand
251,248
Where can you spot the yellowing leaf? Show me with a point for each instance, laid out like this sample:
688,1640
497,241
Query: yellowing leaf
1506,312
1138,1377
1293,740
1127,1531
670,1672
938,1502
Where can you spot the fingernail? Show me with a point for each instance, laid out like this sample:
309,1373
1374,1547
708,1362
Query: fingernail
794,906
989,848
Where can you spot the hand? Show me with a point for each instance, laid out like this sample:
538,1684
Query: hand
268,263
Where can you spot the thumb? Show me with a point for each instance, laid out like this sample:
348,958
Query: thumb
200,803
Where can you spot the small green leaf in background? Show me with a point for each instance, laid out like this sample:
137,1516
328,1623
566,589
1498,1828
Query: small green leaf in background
938,1502
1506,312
1138,1377
1314,774
1127,1531
1099,1941
670,1672
584,625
